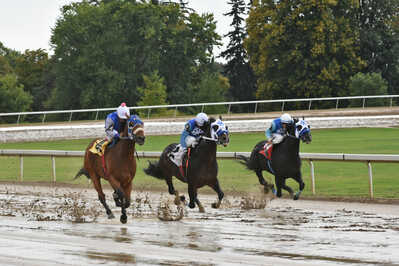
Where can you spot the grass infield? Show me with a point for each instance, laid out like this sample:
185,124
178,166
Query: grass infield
333,179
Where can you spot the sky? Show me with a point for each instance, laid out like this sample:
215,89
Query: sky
26,24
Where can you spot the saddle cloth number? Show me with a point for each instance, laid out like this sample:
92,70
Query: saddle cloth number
99,147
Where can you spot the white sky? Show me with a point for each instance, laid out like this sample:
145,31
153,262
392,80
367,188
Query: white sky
26,24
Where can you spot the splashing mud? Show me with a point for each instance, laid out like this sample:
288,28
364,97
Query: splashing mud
70,226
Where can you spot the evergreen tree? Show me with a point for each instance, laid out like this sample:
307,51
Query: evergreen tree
237,70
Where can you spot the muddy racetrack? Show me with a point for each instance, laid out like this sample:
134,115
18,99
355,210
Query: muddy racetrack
68,226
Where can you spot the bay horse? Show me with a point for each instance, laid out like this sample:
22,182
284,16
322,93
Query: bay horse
285,161
201,168
117,166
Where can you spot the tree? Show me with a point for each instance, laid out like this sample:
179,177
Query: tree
103,50
13,98
237,69
378,23
303,48
153,92
369,84
31,69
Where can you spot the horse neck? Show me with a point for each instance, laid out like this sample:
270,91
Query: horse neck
208,149
291,144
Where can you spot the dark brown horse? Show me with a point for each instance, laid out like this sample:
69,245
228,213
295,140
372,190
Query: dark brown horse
202,166
118,166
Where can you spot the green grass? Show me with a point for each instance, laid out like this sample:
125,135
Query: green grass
332,178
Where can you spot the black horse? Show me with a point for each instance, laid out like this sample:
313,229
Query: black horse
200,167
285,161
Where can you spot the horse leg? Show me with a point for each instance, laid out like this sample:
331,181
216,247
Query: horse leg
263,182
119,196
220,193
287,188
101,196
172,191
280,183
199,204
298,179
192,192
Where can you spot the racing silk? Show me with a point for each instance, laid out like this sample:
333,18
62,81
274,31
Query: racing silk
190,129
275,128
112,125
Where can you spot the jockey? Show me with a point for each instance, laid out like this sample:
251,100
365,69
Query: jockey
193,129
275,133
115,123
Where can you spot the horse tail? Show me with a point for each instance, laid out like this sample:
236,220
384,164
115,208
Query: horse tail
82,171
247,161
154,170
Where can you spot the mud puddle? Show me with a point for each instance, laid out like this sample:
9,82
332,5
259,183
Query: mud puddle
50,226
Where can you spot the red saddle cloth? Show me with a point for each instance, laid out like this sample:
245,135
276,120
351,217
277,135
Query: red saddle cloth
186,161
267,151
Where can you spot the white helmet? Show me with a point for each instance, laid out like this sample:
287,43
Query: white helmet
123,111
201,118
286,119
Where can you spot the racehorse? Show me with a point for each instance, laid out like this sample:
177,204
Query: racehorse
285,161
117,165
200,167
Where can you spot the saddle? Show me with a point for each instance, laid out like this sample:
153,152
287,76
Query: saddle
267,152
184,161
99,147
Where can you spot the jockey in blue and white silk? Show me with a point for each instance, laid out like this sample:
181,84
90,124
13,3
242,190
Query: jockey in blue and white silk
190,136
115,122
275,133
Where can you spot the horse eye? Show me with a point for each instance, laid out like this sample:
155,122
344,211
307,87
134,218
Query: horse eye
299,127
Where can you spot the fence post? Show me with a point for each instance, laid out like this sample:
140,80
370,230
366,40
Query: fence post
336,105
282,107
175,112
20,116
370,180
53,168
96,115
312,176
228,111
391,103
70,117
202,110
364,102
44,118
21,168
148,114
310,104
256,107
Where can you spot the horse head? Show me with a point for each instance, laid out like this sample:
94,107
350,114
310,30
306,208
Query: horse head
302,131
220,132
135,129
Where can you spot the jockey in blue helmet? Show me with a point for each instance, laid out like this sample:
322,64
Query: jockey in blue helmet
193,129
275,133
115,123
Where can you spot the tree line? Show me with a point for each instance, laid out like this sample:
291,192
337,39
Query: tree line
161,52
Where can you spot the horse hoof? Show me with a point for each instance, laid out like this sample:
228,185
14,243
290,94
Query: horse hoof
191,205
123,219
201,209
182,198
265,189
111,216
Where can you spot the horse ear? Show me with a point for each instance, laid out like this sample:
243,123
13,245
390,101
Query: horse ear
220,117
211,120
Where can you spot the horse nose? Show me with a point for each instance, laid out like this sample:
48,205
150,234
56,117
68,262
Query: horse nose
141,140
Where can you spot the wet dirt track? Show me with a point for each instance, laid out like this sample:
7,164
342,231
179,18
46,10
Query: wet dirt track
38,227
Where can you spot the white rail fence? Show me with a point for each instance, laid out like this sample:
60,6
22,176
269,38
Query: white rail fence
203,105
310,157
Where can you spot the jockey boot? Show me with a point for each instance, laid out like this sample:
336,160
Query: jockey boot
114,141
177,157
